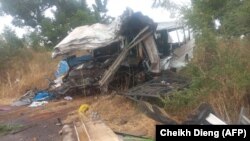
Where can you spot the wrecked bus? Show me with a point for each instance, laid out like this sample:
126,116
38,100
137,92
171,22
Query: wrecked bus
125,53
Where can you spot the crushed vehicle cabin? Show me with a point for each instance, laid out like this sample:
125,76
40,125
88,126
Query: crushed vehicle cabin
129,51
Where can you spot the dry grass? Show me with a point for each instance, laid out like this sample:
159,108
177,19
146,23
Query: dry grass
233,79
223,82
122,115
25,71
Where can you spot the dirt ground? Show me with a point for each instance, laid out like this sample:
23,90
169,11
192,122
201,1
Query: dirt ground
40,124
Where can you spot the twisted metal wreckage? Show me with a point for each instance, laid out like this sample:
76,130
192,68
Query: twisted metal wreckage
127,52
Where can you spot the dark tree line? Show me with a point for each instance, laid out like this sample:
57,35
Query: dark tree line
68,14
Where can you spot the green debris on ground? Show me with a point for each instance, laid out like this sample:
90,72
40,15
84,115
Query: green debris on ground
8,128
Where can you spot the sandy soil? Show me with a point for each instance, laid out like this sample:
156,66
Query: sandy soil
39,124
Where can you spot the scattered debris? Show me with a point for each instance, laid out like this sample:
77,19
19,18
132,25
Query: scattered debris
158,87
129,137
83,108
26,99
243,118
94,116
43,96
59,122
67,132
214,120
38,103
203,115
156,113
22,102
68,98
60,132
32,98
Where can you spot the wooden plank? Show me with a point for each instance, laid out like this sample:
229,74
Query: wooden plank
81,133
97,130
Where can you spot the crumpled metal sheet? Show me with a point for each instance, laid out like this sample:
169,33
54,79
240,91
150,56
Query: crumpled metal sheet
88,37
62,69
171,25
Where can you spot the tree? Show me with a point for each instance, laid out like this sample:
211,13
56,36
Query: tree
235,21
26,12
68,14
233,16
100,11
10,39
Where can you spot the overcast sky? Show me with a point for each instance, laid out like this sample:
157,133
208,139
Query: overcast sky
116,8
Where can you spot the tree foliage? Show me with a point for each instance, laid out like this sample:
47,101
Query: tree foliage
170,5
100,10
9,39
68,14
233,16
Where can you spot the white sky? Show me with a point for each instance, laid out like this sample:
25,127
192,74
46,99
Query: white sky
6,21
115,9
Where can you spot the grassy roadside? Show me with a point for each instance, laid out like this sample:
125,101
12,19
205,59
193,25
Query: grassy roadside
24,69
223,82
